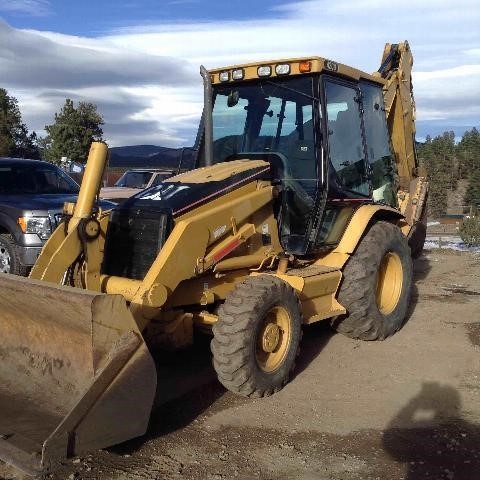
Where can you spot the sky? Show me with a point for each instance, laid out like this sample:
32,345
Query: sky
139,60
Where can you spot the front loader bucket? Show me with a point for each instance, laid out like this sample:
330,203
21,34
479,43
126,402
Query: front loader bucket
75,373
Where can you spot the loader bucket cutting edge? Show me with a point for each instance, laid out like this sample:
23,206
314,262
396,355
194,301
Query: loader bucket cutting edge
75,373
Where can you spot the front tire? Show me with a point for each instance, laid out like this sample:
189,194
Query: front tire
376,285
9,259
257,336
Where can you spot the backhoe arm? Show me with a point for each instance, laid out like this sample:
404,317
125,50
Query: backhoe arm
396,69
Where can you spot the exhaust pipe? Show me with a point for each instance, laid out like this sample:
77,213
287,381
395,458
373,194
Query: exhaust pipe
207,112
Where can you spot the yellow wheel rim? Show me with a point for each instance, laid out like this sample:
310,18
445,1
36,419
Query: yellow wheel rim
274,338
389,283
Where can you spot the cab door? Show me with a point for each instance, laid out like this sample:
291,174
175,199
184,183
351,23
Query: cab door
348,171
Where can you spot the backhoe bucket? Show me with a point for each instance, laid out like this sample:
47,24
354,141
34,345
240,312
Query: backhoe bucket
75,373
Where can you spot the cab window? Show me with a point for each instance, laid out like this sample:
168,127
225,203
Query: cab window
345,141
378,143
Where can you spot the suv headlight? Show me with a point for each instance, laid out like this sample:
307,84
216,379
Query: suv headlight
39,225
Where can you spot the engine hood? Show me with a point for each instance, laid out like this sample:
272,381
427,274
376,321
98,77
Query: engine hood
44,202
189,190
37,202
118,193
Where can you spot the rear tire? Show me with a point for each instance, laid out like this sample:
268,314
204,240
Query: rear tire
417,238
418,234
257,336
376,285
9,259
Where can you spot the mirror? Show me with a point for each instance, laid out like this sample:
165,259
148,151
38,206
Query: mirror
233,98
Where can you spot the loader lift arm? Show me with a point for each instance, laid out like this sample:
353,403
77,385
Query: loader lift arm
83,231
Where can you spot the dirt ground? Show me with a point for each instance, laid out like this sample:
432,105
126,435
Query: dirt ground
406,408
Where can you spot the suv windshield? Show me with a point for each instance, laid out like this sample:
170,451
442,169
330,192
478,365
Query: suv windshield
29,178
134,179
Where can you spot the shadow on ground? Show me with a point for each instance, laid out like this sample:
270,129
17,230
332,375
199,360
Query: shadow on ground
421,269
315,338
430,437
186,386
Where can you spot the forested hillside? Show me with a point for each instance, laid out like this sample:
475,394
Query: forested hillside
450,165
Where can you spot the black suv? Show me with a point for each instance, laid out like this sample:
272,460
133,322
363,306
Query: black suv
32,194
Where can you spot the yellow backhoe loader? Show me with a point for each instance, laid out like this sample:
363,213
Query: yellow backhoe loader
306,204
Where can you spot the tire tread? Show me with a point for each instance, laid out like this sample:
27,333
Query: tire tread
234,331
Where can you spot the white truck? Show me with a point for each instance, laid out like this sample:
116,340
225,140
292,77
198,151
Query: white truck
134,181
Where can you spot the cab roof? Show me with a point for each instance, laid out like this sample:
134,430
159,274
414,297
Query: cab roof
298,66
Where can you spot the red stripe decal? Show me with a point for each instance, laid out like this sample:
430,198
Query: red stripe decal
226,250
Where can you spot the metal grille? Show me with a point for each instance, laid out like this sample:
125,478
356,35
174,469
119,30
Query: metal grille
58,217
134,239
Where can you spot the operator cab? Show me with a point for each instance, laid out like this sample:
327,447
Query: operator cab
327,142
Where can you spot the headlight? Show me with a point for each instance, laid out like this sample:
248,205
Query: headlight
238,74
39,225
224,76
282,69
264,71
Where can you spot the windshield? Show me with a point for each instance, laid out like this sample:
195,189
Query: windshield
134,179
17,179
266,117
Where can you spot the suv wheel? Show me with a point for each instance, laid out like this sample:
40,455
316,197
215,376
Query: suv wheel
9,261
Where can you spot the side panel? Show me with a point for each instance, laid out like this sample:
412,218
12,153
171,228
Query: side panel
354,232
316,286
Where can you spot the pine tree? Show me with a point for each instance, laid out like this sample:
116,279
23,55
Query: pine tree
26,145
468,152
15,141
72,132
472,194
470,231
439,157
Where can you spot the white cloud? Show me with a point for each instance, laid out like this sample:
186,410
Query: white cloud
473,52
35,8
145,78
448,94
177,109
462,71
